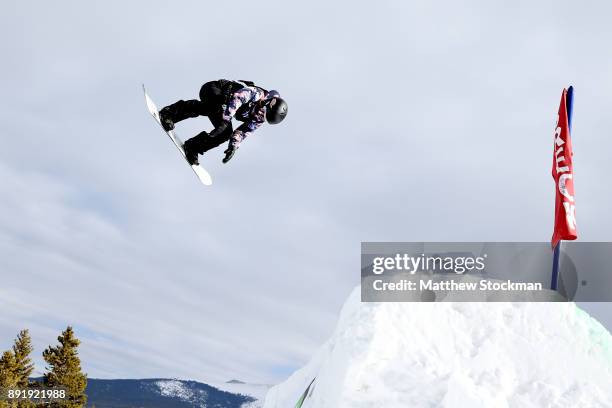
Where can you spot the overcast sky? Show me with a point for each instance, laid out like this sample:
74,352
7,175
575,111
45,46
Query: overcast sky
408,121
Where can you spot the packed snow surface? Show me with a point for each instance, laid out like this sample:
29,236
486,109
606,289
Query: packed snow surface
472,355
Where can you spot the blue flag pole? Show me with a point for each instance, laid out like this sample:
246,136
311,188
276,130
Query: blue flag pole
555,268
569,105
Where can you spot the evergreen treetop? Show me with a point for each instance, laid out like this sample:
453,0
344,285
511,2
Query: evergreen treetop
64,370
24,366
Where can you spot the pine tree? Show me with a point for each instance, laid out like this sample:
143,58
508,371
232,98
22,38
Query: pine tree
8,378
7,370
65,370
24,366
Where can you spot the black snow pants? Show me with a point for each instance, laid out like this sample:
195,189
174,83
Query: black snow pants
213,96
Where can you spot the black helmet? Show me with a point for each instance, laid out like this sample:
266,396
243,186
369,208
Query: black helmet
276,109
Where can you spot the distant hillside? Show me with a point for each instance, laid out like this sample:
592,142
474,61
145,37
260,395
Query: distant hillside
162,393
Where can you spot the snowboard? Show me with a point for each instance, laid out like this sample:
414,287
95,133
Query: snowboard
200,172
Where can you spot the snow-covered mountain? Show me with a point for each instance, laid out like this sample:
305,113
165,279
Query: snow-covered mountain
172,393
392,355
256,391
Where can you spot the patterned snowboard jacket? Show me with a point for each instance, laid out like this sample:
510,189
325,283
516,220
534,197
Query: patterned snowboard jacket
244,105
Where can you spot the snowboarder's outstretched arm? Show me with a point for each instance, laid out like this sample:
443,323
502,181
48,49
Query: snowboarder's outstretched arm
238,136
243,132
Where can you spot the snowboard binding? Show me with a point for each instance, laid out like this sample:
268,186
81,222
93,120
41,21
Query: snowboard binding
166,122
191,151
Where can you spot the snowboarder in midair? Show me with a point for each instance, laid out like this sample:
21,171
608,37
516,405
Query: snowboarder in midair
221,101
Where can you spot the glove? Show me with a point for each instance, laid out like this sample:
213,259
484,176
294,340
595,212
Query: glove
229,153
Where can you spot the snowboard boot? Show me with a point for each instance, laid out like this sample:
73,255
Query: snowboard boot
166,120
193,149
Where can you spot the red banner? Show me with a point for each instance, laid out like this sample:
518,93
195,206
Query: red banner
563,174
